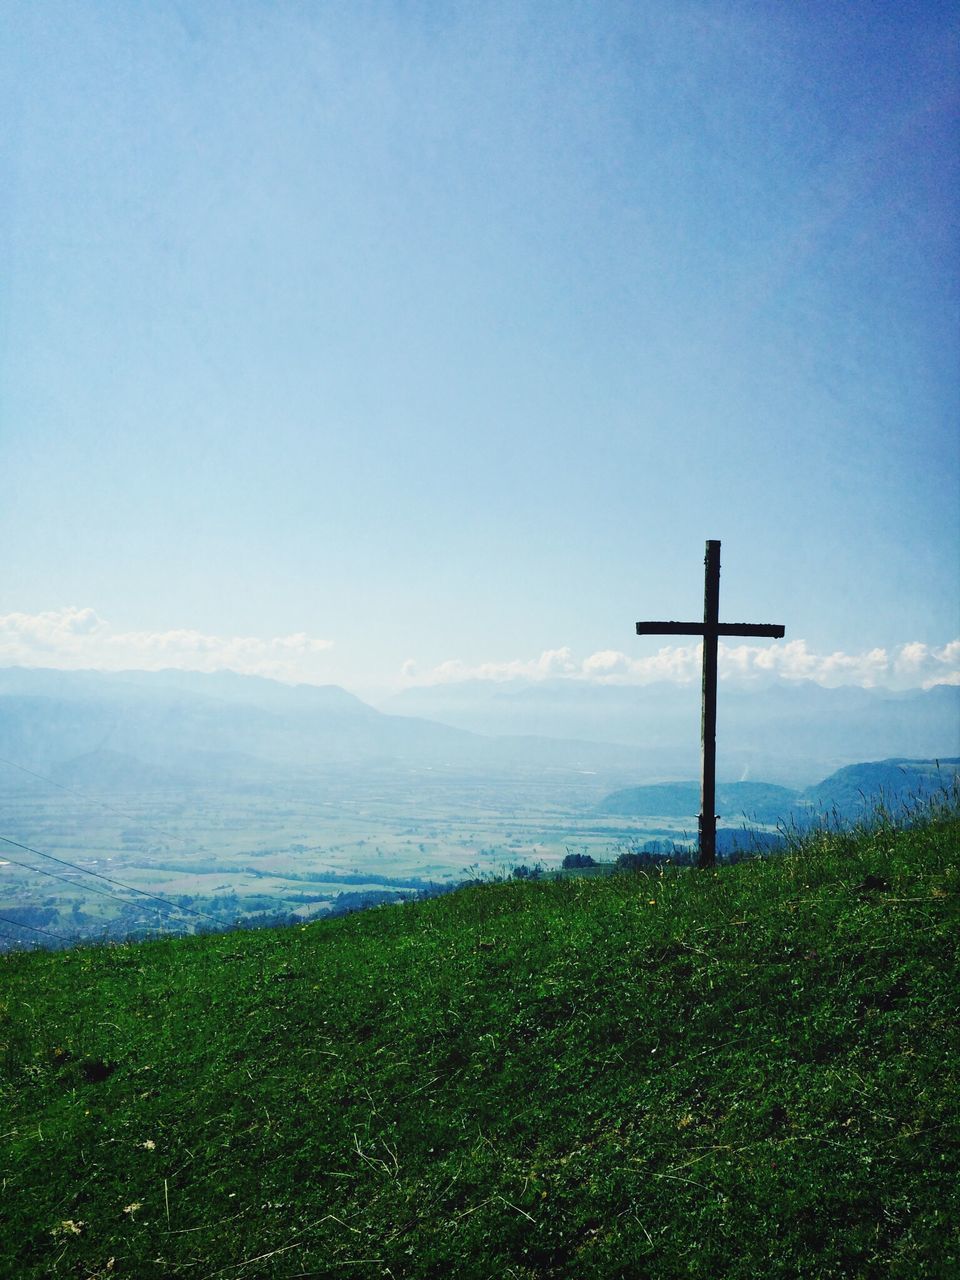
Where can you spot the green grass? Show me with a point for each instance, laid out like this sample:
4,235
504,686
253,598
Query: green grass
748,1073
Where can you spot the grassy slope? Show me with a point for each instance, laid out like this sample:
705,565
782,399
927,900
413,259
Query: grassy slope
745,1074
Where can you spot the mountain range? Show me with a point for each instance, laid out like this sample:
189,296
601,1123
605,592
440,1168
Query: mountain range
188,727
176,727
792,733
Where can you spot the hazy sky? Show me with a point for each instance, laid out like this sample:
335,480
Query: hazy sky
341,336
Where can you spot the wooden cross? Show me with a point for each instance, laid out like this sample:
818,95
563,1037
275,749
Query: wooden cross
711,629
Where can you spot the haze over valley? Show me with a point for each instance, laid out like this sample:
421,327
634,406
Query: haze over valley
248,800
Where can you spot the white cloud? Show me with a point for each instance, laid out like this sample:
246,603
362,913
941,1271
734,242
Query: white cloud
550,664
919,662
608,662
74,638
909,666
556,662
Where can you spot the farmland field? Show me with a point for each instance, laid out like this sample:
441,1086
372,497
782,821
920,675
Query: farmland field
337,838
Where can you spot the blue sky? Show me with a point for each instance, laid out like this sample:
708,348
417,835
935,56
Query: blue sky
336,337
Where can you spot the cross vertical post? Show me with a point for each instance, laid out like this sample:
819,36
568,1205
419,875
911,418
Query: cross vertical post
710,629
708,718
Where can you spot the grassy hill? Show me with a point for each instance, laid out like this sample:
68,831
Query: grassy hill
752,1073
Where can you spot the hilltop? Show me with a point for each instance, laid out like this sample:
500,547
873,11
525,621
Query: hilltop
749,1073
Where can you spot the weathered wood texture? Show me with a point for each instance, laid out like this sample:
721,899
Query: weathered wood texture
723,629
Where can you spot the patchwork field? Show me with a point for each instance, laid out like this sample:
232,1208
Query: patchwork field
318,843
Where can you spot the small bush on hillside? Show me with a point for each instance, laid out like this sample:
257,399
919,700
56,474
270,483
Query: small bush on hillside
631,858
574,860
523,872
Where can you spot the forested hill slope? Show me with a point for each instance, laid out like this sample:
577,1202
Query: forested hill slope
849,794
760,800
741,1074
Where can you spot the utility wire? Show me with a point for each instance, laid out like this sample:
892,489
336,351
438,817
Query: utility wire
102,804
130,817
17,924
77,884
96,874
120,813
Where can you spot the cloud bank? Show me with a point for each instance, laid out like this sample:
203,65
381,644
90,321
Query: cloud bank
74,638
908,666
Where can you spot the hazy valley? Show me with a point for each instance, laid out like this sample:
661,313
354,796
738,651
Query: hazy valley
241,799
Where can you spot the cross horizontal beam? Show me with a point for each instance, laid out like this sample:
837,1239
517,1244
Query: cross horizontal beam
719,629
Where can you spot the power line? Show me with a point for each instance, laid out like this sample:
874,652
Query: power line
130,817
102,804
85,888
17,924
97,875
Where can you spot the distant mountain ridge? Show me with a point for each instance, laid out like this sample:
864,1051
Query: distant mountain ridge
212,727
196,727
790,733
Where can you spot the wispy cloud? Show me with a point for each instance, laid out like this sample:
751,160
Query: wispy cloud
79,638
74,638
550,664
908,666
